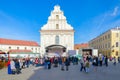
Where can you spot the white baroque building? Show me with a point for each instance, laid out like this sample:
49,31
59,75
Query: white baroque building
19,47
57,32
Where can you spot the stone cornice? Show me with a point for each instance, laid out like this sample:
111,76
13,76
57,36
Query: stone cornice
57,31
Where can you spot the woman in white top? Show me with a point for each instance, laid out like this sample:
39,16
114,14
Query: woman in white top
12,66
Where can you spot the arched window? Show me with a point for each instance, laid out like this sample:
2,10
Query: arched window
57,26
17,48
57,16
116,53
57,39
116,44
10,47
25,48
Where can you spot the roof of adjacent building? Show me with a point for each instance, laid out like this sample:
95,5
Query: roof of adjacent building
83,45
17,42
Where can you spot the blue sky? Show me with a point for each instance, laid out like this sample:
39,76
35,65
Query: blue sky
22,19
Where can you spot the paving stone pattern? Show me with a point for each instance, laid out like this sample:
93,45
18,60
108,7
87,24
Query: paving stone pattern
38,73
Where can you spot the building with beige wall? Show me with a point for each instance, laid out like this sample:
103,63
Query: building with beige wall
108,42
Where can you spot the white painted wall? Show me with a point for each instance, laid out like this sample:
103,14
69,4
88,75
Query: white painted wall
65,31
52,21
36,49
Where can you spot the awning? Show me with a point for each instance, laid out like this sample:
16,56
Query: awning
55,46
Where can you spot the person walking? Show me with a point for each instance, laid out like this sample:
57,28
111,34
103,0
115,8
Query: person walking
63,63
94,63
56,62
114,61
17,66
36,62
27,62
45,63
49,63
23,66
21,63
12,65
106,61
67,64
87,65
119,59
60,61
82,65
100,60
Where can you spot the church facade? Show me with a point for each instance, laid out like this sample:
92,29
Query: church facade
57,33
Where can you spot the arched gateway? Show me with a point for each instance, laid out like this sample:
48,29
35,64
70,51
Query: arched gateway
55,50
57,36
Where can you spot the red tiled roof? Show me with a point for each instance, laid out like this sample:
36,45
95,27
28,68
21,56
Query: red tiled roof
17,51
17,42
83,45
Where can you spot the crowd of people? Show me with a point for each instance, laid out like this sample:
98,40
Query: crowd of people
17,65
85,62
60,61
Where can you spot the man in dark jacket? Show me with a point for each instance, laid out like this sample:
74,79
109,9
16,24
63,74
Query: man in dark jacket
17,66
49,63
67,64
106,61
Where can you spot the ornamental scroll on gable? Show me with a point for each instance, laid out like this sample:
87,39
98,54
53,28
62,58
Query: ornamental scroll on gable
57,21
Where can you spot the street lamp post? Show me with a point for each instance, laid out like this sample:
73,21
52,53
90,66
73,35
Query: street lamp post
118,32
119,41
9,68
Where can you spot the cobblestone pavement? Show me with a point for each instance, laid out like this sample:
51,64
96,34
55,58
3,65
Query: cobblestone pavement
37,73
26,73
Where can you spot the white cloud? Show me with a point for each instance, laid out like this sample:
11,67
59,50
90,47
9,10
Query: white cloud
115,11
101,23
